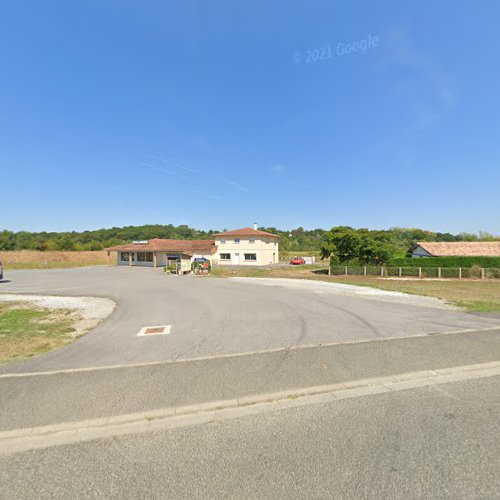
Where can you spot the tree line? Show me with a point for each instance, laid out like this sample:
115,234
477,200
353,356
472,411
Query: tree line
344,244
342,241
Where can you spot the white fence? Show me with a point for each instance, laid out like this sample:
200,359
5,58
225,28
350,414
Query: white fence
417,272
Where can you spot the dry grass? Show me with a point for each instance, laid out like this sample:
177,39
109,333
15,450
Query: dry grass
27,331
31,259
474,295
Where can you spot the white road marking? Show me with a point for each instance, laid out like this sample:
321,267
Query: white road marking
239,354
20,440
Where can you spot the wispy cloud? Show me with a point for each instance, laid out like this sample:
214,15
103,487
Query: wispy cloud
208,195
277,168
184,170
164,170
187,168
172,162
236,185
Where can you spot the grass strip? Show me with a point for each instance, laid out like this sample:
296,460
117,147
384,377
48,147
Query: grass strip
27,331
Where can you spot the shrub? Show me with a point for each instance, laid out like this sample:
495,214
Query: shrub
475,271
492,273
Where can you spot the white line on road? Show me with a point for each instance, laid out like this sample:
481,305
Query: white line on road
239,354
20,440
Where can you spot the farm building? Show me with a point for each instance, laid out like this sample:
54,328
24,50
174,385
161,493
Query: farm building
457,249
245,246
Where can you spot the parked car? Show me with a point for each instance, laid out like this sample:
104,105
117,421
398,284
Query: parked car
297,261
1,271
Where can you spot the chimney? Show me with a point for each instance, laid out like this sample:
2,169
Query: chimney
255,226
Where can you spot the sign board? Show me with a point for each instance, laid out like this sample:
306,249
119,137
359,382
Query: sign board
141,242
200,259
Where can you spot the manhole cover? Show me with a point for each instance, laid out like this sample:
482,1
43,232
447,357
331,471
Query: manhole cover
154,330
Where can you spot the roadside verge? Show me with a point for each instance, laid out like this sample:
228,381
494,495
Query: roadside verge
167,418
48,399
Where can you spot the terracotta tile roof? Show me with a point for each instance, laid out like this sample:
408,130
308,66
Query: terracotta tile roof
462,248
246,231
187,247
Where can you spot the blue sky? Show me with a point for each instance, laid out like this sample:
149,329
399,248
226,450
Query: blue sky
220,114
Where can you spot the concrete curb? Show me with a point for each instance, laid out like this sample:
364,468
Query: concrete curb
293,348
19,440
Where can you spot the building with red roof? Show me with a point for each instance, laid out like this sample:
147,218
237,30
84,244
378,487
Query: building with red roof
246,246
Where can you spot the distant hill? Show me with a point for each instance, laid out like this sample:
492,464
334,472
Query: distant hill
298,239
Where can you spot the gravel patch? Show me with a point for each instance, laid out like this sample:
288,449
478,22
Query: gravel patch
324,287
90,310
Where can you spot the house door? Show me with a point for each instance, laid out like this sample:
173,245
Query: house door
237,259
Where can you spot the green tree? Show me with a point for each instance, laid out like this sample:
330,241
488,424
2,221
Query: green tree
65,243
345,244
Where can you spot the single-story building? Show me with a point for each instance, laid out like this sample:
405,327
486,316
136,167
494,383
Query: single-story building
457,249
245,246
163,252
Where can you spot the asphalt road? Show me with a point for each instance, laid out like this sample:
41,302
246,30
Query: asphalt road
28,401
429,442
438,441
218,316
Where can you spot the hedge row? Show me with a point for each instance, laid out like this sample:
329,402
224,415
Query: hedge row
492,262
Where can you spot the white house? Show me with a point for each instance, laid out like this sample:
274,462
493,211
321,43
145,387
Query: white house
247,247
240,247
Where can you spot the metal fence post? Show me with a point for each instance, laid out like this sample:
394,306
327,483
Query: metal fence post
382,272
364,270
345,270
439,272
483,273
400,272
459,273
419,272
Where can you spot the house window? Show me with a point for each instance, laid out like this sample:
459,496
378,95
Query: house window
144,256
225,256
222,242
125,256
236,240
250,256
251,240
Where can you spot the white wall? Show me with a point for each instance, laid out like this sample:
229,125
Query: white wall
420,252
263,247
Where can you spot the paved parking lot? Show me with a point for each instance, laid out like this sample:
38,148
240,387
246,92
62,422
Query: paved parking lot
212,316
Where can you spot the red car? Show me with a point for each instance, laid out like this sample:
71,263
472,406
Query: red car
297,261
